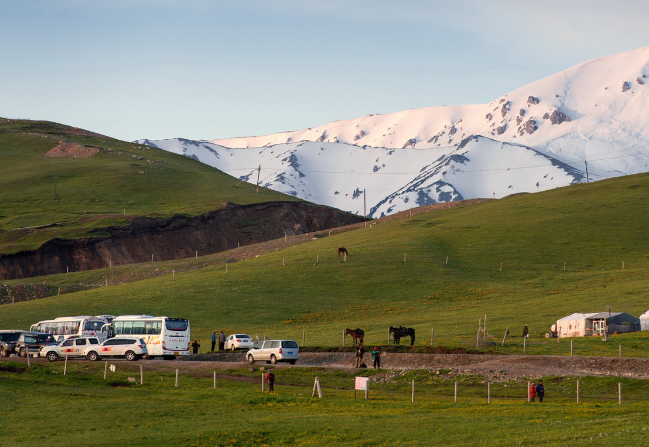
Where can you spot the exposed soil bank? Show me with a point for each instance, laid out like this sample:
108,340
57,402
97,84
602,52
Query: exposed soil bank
175,238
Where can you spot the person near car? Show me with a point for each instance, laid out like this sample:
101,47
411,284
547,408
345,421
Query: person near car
221,341
540,390
270,378
376,356
359,355
213,340
195,346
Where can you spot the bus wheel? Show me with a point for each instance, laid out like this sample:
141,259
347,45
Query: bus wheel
169,357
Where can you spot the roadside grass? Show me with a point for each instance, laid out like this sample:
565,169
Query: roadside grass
94,192
49,408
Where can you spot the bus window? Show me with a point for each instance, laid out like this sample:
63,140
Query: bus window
138,327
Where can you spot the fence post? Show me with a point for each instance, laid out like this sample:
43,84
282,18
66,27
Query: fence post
455,395
343,338
303,338
106,370
529,396
477,336
65,368
619,392
620,351
262,381
488,392
214,379
524,343
413,391
505,336
29,363
577,391
176,377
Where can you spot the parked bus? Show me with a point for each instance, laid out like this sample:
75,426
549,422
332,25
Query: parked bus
164,336
63,328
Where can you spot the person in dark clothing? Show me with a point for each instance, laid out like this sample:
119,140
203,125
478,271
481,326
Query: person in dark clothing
359,356
213,340
221,341
195,346
376,356
540,390
270,378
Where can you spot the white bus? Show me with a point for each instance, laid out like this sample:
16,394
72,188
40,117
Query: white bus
164,336
63,328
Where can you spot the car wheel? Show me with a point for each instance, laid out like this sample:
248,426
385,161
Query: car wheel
273,359
3,352
130,356
22,352
251,359
52,356
92,356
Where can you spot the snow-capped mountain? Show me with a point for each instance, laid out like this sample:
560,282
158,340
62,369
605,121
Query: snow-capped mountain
541,136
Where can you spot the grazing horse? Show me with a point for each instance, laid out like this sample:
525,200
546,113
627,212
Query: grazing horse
342,251
357,334
398,332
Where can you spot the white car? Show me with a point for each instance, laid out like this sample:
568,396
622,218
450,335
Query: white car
129,348
273,351
72,347
239,341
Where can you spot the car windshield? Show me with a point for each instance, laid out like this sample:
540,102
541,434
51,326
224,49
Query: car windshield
176,324
289,344
9,337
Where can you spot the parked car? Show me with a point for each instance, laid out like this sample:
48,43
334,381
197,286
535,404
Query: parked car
32,342
129,348
8,340
273,351
72,347
239,341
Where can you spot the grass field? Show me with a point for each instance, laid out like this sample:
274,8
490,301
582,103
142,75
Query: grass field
592,228
92,193
81,408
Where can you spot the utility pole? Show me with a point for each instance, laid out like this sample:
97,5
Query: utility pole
364,208
258,174
587,179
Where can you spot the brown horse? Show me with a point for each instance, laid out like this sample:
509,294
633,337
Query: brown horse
342,251
357,334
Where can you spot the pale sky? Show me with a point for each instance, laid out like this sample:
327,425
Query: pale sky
207,69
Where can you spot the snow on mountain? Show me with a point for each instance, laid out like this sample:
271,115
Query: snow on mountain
535,138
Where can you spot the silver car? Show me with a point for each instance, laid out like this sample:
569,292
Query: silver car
239,341
273,351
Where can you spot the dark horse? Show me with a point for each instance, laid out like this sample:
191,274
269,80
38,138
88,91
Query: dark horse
398,332
342,251
357,334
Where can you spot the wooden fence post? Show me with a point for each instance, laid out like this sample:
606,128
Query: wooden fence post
529,395
65,368
505,336
488,392
176,377
343,338
214,379
262,381
106,370
524,343
620,351
29,363
477,336
303,338
413,392
577,391
316,388
141,375
455,395
619,393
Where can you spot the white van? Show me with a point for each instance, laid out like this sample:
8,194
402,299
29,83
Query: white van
273,351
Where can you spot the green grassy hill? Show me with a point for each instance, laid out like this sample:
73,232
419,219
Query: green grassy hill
396,274
95,192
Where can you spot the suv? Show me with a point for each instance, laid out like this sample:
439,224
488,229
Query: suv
8,341
72,347
129,348
274,351
32,342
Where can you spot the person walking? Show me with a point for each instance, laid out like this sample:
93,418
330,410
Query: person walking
213,340
532,392
359,355
195,346
270,378
221,341
376,356
540,390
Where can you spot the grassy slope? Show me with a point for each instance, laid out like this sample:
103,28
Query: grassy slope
592,227
94,192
